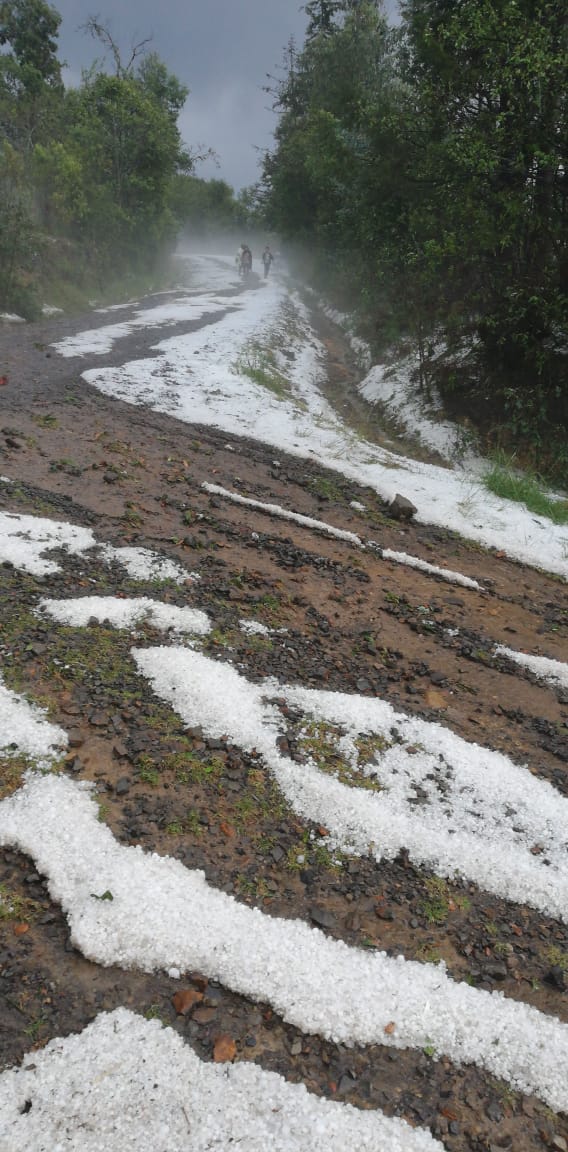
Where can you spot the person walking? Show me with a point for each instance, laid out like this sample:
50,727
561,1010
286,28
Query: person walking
246,261
267,259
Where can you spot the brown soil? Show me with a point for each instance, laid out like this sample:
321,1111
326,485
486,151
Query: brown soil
354,623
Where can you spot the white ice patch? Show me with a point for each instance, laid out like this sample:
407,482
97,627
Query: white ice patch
25,730
458,808
432,569
553,671
126,1084
24,540
204,272
254,628
284,514
142,564
179,310
127,613
394,387
163,915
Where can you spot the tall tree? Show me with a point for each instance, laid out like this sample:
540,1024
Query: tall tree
321,16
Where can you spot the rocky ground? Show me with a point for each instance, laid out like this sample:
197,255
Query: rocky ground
353,622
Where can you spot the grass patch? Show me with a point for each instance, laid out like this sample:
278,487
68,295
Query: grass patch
326,488
47,421
259,364
557,958
436,908
319,741
15,907
524,488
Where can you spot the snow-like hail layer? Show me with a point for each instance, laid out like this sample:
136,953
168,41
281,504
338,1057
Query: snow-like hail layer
342,534
162,915
194,378
459,808
432,569
178,310
24,540
126,1084
554,671
24,729
394,387
127,613
284,514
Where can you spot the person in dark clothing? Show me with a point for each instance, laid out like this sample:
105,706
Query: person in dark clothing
267,259
246,260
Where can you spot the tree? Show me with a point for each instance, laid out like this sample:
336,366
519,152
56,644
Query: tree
321,17
491,82
30,29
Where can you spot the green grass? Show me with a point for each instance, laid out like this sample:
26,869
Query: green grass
524,488
259,364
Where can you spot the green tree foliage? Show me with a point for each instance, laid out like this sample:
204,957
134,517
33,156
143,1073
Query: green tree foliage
204,207
321,17
86,174
426,167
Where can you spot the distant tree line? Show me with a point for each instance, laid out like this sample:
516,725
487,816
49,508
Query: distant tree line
426,167
95,180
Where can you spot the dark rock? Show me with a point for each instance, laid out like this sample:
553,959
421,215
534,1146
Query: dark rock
119,750
122,786
363,685
402,509
495,969
98,719
322,918
494,1112
346,1084
557,977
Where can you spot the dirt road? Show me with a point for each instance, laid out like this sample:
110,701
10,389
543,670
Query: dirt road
335,616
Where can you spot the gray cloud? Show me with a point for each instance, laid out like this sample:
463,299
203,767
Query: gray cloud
222,50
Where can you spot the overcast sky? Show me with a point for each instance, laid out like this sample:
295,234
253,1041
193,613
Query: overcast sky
221,49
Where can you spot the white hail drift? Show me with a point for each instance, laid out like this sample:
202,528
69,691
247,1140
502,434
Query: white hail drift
164,916
479,814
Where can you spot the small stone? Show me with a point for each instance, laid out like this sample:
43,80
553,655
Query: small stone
557,977
119,750
322,918
98,719
296,1048
75,738
494,1112
401,508
559,1143
346,1084
122,786
185,1000
204,1015
363,685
